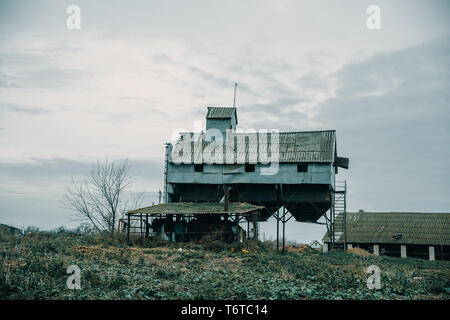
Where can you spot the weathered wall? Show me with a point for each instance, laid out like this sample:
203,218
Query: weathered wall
318,173
221,124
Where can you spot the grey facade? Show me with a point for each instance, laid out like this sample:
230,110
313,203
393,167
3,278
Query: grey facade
291,169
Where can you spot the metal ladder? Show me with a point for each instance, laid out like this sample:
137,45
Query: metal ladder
338,232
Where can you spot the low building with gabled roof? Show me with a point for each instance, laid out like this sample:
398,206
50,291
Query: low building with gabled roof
425,235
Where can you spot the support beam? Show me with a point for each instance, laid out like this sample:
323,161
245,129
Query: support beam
237,228
403,251
128,228
248,229
284,228
325,247
147,227
278,229
431,254
255,227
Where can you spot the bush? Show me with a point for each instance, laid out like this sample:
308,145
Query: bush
214,241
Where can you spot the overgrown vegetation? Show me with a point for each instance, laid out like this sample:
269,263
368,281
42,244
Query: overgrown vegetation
34,267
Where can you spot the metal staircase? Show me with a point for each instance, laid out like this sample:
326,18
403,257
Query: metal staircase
338,216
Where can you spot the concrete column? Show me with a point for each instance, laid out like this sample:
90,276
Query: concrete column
349,246
403,251
325,247
376,250
431,253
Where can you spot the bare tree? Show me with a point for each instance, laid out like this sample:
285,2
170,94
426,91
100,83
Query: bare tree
99,198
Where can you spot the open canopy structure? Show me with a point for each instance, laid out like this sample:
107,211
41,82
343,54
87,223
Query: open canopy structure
187,208
183,221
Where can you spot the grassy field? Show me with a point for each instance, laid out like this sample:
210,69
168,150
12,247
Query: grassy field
34,267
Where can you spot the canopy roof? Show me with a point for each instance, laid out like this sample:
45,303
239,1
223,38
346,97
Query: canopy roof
198,208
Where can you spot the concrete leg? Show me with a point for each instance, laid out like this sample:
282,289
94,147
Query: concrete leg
403,251
325,247
431,253
376,250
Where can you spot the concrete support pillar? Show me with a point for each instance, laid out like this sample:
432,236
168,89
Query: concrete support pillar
431,253
403,251
376,250
349,246
325,247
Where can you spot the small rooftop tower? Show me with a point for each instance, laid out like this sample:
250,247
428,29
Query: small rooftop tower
221,118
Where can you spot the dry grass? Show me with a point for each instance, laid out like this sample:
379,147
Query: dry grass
35,268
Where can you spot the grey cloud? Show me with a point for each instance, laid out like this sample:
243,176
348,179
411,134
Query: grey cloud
60,167
396,139
8,81
10,107
52,78
281,108
424,68
37,70
46,77
314,81
223,82
207,76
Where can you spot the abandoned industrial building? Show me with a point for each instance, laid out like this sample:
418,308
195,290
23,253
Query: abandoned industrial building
228,181
223,177
423,235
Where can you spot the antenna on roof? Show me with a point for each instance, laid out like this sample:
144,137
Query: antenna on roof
234,100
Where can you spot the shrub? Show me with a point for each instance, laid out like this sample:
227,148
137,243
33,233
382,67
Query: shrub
214,241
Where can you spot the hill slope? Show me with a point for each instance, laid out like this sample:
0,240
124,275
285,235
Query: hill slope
34,267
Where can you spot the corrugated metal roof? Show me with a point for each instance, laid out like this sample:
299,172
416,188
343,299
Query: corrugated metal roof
381,227
220,112
307,146
197,208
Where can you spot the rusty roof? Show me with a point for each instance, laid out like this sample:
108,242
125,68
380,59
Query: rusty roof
301,146
397,228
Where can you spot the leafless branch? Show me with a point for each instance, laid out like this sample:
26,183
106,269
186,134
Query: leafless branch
99,199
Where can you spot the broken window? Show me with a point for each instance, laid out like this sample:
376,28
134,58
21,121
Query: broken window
198,167
249,167
302,167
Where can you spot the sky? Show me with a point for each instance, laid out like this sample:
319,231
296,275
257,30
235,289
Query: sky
138,71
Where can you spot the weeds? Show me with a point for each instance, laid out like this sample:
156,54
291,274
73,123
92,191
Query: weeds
34,267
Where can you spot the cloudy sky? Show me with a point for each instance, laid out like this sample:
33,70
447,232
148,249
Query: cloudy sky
137,71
